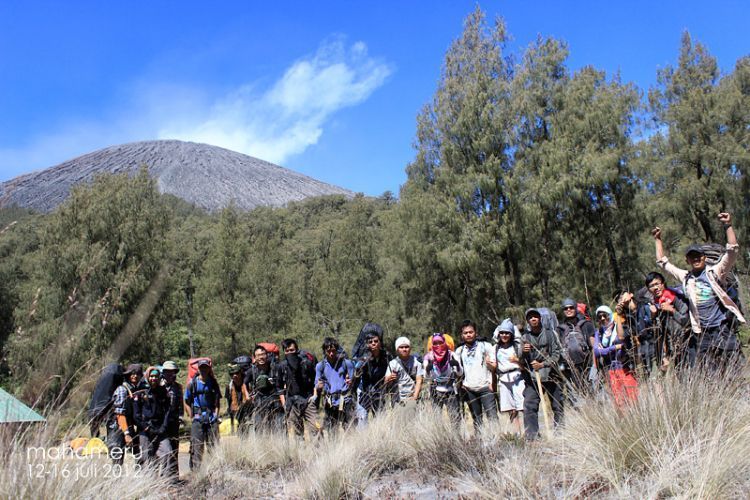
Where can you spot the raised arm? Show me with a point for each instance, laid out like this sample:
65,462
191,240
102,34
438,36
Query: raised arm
656,233
726,219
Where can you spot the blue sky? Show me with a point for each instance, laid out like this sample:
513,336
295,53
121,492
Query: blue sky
328,88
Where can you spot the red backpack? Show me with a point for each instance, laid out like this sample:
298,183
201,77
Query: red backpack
193,368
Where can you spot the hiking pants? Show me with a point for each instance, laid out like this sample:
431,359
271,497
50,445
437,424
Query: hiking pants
719,349
155,449
116,445
577,377
648,354
448,400
334,416
173,434
302,413
201,436
268,415
531,401
481,402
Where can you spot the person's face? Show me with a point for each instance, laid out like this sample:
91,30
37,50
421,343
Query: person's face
203,370
404,351
261,357
569,311
291,350
169,376
656,287
373,345
602,318
535,322
696,261
134,378
468,334
331,353
626,300
504,337
153,379
237,378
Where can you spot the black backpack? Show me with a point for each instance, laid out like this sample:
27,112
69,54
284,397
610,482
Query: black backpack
101,398
574,342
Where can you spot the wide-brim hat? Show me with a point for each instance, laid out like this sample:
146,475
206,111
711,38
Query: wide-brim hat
169,366
133,368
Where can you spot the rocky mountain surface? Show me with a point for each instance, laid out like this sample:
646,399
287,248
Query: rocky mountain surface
207,176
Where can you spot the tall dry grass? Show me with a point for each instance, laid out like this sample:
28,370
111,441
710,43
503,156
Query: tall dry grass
53,472
684,438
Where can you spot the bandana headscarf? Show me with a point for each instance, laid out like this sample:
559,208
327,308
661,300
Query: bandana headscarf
440,352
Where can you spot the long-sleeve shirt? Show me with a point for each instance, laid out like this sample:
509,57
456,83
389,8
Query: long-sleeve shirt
715,275
152,411
615,357
334,378
545,348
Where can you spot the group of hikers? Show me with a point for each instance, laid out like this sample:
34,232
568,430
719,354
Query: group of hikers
692,324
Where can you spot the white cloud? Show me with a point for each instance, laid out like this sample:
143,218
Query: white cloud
272,123
289,117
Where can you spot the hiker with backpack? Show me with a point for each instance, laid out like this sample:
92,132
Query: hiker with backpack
370,374
202,402
712,310
540,359
100,407
238,398
152,418
333,384
268,411
406,371
169,372
613,346
510,383
667,316
576,334
477,359
443,371
121,429
296,382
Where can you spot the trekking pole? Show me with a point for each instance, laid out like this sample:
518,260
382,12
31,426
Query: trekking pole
543,403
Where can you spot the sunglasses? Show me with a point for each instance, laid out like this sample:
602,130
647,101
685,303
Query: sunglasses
568,308
438,342
373,341
602,316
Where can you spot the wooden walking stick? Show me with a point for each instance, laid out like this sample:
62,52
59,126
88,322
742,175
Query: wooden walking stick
543,403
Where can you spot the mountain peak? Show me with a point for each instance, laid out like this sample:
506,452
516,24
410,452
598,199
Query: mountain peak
208,176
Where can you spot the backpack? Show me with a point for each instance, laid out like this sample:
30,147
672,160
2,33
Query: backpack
307,367
101,399
574,342
359,349
549,319
272,350
193,369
